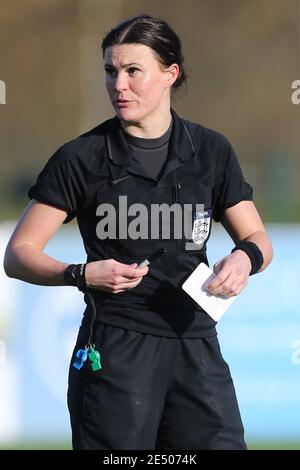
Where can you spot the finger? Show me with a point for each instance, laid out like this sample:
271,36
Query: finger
231,287
119,280
217,280
133,273
125,286
236,288
117,288
123,269
218,266
224,288
124,272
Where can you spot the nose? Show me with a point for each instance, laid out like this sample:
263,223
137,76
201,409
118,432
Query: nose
121,82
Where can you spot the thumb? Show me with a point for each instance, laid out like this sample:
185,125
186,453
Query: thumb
218,266
133,265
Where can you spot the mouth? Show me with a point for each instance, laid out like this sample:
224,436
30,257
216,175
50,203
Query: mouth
122,102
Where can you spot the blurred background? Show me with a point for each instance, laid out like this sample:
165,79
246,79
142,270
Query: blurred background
242,58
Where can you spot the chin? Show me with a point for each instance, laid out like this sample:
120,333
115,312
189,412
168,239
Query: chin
130,114
127,115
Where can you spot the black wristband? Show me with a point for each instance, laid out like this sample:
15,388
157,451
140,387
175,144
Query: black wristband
254,253
74,275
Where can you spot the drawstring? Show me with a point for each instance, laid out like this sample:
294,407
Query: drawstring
92,304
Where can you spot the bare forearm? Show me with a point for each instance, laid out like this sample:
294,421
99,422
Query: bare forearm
29,264
262,240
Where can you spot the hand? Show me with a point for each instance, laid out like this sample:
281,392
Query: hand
111,276
230,274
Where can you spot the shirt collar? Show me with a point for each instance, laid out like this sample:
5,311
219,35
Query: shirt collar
181,143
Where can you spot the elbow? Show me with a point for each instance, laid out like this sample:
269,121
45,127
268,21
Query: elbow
270,255
8,271
267,255
7,268
270,251
8,264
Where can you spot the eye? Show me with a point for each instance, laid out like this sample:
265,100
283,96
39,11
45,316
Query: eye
110,71
132,70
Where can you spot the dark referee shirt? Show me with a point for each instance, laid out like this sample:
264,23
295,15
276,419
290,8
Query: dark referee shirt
150,154
99,166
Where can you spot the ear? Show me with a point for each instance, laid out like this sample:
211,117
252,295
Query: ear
172,74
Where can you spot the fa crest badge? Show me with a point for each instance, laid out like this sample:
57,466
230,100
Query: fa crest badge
201,227
200,231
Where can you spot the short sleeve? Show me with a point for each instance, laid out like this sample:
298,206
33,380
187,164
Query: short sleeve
231,187
62,183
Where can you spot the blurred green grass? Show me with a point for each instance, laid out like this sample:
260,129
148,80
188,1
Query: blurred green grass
41,445
259,445
274,445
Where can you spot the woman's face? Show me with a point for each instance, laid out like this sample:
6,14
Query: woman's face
136,82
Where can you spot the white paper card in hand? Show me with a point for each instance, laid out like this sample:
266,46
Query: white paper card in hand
214,305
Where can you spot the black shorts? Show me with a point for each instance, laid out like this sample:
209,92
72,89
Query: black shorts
153,393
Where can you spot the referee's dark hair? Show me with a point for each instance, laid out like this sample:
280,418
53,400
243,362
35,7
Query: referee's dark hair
154,33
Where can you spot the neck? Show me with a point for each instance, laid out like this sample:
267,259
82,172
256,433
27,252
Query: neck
151,127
